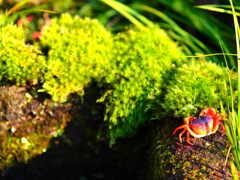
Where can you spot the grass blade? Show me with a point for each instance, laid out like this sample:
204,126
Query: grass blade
190,43
129,13
16,7
233,131
216,9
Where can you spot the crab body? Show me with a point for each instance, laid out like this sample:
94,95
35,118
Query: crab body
202,125
205,124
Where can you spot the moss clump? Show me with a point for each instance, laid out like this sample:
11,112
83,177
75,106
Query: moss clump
131,65
198,85
79,52
141,58
19,62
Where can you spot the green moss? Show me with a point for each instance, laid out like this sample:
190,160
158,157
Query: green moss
79,52
197,85
19,62
131,65
139,70
141,58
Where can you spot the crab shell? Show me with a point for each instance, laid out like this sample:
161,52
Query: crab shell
205,124
202,126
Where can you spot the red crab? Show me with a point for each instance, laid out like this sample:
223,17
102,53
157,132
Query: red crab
205,124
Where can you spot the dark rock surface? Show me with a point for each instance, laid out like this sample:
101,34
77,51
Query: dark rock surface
204,160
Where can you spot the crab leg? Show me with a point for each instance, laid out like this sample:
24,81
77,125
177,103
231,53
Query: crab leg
188,138
215,128
189,131
180,135
224,130
224,119
180,127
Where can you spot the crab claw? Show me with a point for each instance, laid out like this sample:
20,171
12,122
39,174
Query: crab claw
208,112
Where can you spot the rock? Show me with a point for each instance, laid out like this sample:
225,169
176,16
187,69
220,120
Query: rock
171,159
25,118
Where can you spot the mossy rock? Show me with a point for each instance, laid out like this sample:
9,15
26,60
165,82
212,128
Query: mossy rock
27,125
170,159
141,59
130,66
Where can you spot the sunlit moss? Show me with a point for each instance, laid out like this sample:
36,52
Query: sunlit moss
19,62
131,64
79,51
141,58
197,85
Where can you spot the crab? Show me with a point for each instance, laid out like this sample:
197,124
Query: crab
205,124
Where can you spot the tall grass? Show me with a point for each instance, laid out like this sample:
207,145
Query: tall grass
176,17
173,18
233,128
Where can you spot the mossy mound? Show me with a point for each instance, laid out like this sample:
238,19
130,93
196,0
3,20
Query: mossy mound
141,59
198,85
79,51
130,66
20,63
